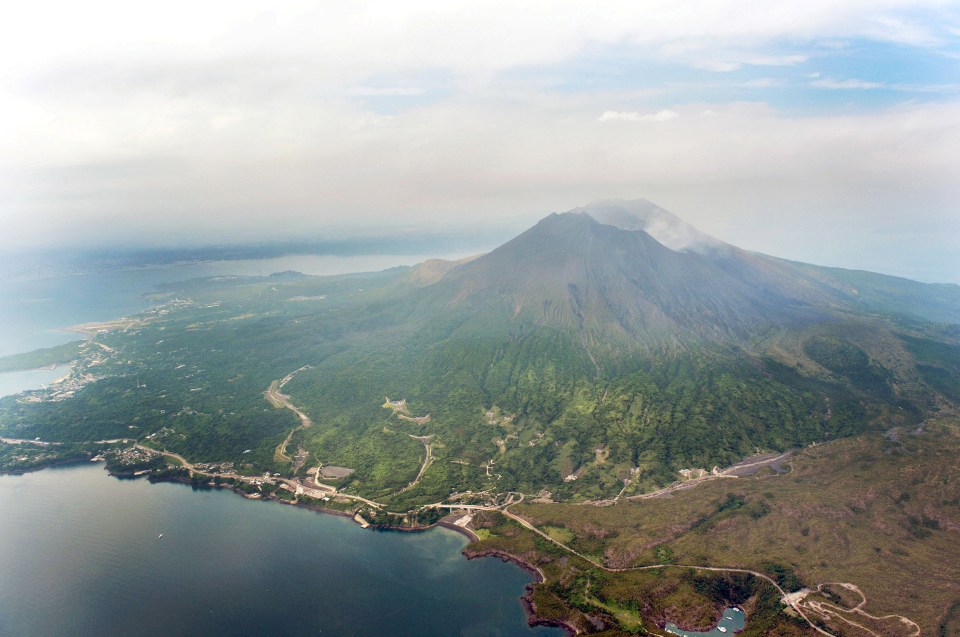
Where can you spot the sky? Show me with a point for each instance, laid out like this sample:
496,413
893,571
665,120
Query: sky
817,130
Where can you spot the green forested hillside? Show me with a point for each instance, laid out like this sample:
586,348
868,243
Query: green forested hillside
572,360
582,362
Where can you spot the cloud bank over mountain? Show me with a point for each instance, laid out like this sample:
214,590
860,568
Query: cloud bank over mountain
821,132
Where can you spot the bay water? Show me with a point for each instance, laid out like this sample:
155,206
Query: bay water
16,382
81,553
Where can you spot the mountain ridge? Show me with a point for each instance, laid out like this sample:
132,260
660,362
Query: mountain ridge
776,288
599,351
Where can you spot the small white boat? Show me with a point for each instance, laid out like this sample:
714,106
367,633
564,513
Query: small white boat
160,536
722,629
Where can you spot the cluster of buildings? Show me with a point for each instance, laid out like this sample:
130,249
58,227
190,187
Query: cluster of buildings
134,455
215,467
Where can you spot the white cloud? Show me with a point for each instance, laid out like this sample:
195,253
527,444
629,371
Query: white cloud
630,116
727,62
833,44
166,120
385,91
777,60
351,39
858,84
848,84
894,28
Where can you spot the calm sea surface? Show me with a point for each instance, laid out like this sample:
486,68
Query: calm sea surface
16,382
80,554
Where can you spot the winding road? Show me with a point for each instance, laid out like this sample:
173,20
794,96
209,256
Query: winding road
828,610
794,600
427,461
729,472
278,399
528,525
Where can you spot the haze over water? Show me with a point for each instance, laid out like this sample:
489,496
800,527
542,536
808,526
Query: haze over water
33,310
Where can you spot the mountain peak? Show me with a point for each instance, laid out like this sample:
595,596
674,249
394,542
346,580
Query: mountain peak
665,227
614,283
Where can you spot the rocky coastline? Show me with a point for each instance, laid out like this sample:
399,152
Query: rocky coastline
533,619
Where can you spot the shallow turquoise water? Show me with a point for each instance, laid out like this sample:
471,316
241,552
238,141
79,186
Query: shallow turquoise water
731,622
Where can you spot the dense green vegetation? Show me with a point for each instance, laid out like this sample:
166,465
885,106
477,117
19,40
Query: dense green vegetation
938,362
558,367
58,355
847,360
562,418
22,457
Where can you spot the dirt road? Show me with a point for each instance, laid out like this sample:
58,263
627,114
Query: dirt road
427,461
278,399
734,471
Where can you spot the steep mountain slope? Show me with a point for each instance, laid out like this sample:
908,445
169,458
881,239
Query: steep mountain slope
599,270
601,337
572,272
896,296
852,289
576,356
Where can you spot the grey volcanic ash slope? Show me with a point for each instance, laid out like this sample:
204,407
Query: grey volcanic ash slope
601,270
571,271
602,298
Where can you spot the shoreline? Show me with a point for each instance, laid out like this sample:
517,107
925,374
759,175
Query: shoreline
468,533
506,557
533,619
529,606
526,600
735,607
51,465
53,367
93,328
